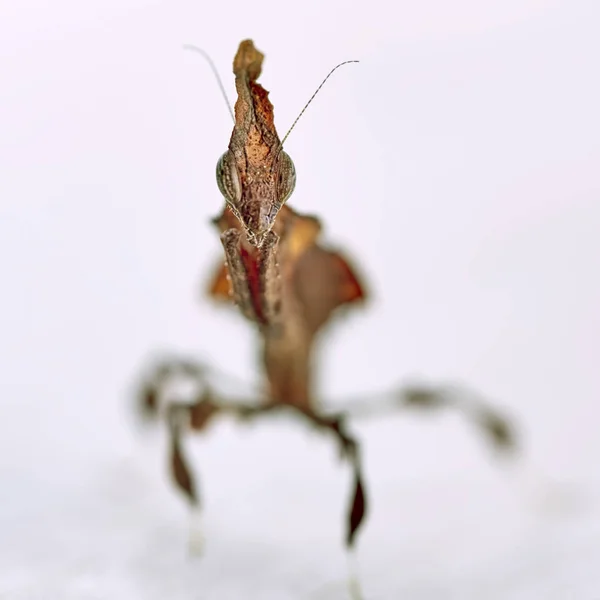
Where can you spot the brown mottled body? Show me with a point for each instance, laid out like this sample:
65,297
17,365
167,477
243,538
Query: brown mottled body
290,299
281,278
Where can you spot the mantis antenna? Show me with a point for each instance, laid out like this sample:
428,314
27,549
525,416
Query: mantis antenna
214,70
312,97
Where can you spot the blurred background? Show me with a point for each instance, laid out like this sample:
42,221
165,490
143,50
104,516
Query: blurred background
457,164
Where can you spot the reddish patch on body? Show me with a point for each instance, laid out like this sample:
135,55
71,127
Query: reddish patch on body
253,279
262,105
350,288
220,286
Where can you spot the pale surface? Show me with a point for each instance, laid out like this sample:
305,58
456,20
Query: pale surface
459,160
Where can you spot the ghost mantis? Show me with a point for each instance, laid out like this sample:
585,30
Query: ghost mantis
289,286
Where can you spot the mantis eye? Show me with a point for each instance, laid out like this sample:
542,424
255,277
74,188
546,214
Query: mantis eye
287,177
228,179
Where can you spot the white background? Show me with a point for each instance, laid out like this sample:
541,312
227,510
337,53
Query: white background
458,164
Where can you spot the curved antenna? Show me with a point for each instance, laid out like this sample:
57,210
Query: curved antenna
214,70
312,97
